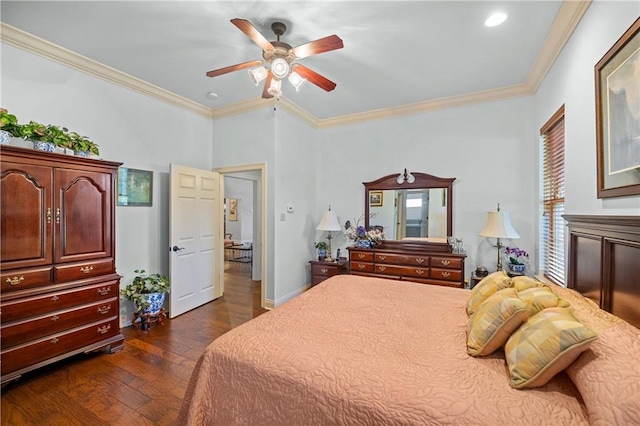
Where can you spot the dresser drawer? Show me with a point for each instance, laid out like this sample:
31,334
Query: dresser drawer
23,331
25,355
402,259
402,270
20,279
361,267
361,256
328,270
80,270
446,262
47,303
446,274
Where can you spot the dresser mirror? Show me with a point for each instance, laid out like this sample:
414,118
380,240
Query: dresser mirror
410,207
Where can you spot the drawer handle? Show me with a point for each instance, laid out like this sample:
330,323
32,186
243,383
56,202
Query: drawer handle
49,215
361,255
55,318
86,269
104,309
419,260
446,274
381,268
419,271
104,329
446,262
361,266
104,291
382,257
15,280
55,298
324,270
55,340
58,215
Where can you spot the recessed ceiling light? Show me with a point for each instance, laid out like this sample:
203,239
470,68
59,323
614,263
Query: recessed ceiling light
495,19
212,95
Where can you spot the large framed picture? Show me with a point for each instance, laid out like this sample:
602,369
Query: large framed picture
135,187
617,77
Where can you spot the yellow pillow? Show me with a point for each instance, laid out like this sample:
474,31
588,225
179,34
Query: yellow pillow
544,346
524,282
494,321
539,298
485,288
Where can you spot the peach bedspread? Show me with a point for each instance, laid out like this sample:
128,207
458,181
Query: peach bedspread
357,350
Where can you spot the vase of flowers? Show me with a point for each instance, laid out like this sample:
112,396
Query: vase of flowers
518,259
362,237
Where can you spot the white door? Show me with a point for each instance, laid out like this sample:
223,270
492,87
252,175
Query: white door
196,265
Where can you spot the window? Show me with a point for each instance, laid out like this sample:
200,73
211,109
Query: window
552,192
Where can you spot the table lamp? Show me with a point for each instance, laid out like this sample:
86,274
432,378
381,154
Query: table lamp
498,226
329,223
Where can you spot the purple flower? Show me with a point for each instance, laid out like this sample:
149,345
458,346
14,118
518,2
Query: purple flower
360,231
516,255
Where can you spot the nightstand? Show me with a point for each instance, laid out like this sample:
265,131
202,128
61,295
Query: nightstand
475,279
320,271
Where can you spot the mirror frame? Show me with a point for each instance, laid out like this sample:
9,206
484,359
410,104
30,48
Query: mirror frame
402,181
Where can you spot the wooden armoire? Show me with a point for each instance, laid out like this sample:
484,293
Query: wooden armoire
59,286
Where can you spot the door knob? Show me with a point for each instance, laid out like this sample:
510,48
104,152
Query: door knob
176,248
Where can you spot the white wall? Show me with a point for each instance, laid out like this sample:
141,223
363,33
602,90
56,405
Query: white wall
241,190
489,148
141,132
571,82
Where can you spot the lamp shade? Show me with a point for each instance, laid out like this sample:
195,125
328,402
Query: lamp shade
329,222
498,225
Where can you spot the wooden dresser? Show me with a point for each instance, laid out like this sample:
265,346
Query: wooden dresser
59,284
409,262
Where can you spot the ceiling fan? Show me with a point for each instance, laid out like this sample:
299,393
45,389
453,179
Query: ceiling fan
279,60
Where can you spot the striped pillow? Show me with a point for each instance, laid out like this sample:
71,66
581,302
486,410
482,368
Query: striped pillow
544,346
494,321
539,298
485,288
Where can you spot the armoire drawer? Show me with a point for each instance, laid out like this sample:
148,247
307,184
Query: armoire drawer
19,332
21,279
80,270
33,352
28,307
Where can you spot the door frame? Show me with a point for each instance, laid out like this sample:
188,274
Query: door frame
262,167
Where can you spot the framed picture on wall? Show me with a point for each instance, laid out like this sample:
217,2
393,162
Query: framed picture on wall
233,209
135,187
375,198
617,77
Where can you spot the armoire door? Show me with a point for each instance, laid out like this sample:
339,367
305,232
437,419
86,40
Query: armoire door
27,215
82,201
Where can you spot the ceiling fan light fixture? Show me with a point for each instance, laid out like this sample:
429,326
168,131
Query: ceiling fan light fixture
280,68
495,19
275,89
258,74
296,81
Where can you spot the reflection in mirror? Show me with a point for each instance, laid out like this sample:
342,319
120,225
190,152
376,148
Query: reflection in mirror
420,213
410,206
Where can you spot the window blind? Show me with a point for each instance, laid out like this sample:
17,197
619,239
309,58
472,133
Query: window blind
552,175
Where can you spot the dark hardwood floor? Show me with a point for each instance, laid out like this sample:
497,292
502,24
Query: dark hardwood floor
144,383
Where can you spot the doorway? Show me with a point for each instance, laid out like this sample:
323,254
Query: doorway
256,175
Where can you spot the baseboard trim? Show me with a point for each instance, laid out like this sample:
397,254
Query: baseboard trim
293,294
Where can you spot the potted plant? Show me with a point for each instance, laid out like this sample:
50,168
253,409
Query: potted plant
82,145
322,250
8,126
518,259
147,292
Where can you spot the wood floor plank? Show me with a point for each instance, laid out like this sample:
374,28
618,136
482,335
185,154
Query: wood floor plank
145,382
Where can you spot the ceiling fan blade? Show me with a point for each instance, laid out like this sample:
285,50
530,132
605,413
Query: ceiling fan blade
232,68
267,83
251,31
316,47
315,78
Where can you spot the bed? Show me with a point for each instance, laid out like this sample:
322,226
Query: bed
371,351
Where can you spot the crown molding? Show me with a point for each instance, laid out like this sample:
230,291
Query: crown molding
36,45
564,24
